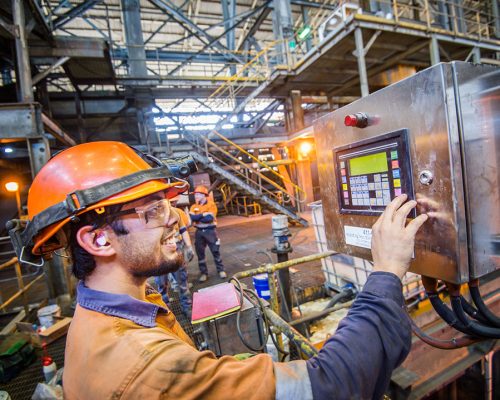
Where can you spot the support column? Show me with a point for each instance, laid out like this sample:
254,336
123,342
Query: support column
298,112
443,17
22,57
133,35
282,28
496,15
39,154
360,55
476,55
305,18
434,51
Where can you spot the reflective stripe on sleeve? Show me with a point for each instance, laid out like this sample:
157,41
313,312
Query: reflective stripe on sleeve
292,381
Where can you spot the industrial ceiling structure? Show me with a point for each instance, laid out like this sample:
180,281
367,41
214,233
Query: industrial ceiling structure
102,68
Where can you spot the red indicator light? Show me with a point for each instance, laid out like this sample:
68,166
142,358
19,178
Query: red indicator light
350,120
358,120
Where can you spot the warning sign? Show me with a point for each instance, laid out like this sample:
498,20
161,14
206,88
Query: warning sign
356,236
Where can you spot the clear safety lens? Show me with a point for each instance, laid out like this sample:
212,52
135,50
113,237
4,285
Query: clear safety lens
155,214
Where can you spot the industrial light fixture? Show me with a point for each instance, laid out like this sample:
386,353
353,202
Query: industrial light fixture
8,150
12,186
304,32
305,148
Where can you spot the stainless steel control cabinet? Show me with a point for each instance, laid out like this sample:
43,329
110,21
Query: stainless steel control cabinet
448,119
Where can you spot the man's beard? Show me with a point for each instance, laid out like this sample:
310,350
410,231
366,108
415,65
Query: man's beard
165,267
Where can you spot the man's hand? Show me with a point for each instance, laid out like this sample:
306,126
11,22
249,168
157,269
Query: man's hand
392,242
189,254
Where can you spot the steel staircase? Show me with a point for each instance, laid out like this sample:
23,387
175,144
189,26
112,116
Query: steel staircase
260,196
246,179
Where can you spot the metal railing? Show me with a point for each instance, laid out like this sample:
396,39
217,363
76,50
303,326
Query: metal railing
251,176
305,346
22,288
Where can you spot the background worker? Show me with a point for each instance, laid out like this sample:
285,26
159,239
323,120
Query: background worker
203,217
124,343
179,280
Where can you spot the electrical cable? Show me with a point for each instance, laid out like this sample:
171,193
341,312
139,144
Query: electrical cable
471,311
344,294
450,344
238,317
446,314
268,325
479,302
476,328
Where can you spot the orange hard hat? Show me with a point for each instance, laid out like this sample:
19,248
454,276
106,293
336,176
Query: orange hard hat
201,189
88,177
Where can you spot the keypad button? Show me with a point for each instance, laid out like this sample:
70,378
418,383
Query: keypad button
395,164
397,183
396,173
394,154
344,186
346,195
397,192
385,185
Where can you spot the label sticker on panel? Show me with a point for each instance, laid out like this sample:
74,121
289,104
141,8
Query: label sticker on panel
356,236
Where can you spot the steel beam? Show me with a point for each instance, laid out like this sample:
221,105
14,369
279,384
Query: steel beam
57,131
305,19
297,111
360,55
7,26
282,27
434,51
42,75
20,120
133,34
23,62
262,16
62,20
496,15
313,4
203,36
39,17
385,65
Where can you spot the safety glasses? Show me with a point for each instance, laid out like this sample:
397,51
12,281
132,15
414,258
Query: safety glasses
153,215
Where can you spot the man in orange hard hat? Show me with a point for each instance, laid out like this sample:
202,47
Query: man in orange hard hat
204,218
110,207
179,280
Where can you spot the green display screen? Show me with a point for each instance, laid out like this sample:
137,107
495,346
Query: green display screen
369,164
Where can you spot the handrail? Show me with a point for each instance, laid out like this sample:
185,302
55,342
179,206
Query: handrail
261,163
244,165
22,289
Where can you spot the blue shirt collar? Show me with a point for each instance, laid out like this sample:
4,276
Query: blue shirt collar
119,305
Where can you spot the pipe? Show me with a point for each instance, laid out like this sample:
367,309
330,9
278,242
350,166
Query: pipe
321,313
454,343
304,345
270,268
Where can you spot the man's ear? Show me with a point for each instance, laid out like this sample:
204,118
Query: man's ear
94,242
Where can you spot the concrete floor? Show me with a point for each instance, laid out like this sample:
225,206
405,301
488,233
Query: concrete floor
244,242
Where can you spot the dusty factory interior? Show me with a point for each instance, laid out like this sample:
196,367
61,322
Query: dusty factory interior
250,199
